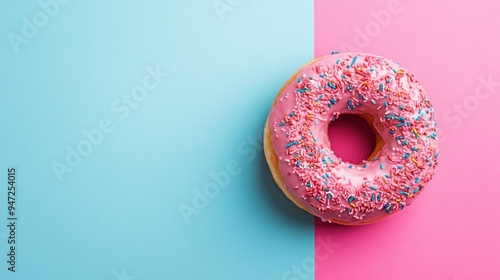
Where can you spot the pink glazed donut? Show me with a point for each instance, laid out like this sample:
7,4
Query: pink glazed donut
388,97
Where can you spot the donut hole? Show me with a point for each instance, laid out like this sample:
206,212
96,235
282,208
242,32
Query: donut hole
351,138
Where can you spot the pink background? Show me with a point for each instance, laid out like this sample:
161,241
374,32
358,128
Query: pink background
451,231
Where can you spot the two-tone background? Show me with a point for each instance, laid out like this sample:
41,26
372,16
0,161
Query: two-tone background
135,130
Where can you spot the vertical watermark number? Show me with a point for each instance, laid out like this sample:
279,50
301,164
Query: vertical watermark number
11,218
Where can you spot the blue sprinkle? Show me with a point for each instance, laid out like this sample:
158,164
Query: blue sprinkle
394,70
338,61
343,76
354,60
327,189
329,196
310,77
299,80
428,159
301,90
381,166
297,163
437,154
400,124
350,165
417,180
291,144
399,167
328,176
282,123
308,184
386,104
321,75
406,155
317,198
373,188
381,87
387,176
388,207
349,210
373,197
292,114
365,165
335,52
389,80
378,197
392,131
350,199
361,96
416,190
371,69
375,158
349,88
403,193
330,84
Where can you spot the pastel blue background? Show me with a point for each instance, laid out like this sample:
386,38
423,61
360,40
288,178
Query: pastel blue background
119,208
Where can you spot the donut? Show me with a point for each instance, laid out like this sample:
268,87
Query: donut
390,100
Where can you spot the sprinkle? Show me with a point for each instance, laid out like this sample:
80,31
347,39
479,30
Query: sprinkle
338,61
354,60
330,84
292,114
381,87
406,155
365,165
291,144
386,104
387,176
350,165
378,197
381,166
417,180
388,207
297,163
373,188
282,123
403,193
335,52
373,197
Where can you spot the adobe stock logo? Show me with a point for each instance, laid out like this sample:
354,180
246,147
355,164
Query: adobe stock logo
464,109
223,6
30,28
122,108
202,196
324,249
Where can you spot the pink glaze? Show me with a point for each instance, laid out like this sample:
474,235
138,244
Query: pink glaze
354,83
